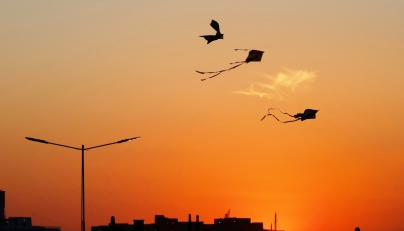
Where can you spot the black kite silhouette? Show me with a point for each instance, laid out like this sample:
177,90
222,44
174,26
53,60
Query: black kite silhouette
307,114
218,35
253,56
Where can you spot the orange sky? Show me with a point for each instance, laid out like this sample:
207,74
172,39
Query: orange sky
91,73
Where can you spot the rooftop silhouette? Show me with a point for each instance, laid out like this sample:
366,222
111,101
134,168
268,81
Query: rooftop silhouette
162,223
18,223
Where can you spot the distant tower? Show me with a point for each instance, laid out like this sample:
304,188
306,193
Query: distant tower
357,229
276,225
197,223
189,222
112,224
2,205
227,215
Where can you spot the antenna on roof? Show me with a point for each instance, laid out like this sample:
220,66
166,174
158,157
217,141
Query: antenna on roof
276,225
227,215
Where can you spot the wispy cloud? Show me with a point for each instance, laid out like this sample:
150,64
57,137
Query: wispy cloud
282,85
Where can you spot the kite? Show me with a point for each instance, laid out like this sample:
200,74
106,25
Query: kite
253,56
218,35
307,114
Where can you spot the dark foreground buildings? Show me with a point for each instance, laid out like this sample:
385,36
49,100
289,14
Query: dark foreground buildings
18,223
2,205
162,223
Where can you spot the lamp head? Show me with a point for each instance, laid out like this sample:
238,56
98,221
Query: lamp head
126,140
37,140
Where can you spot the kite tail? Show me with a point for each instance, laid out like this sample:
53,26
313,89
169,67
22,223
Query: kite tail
211,76
240,50
207,72
291,120
281,112
269,114
280,120
216,72
238,62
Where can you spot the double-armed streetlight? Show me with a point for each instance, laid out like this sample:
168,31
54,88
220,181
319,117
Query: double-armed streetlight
83,217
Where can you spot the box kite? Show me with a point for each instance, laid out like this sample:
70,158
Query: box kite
307,114
253,56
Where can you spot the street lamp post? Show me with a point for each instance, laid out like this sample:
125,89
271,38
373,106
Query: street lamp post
83,217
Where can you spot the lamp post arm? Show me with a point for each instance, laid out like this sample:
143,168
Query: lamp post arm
117,142
47,142
98,146
64,146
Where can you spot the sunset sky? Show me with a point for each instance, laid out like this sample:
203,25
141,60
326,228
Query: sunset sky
94,72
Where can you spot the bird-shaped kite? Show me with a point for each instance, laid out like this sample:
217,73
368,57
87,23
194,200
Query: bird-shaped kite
218,35
307,114
253,56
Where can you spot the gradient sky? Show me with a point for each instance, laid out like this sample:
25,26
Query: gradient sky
94,72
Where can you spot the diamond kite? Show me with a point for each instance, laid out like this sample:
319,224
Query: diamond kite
253,56
307,114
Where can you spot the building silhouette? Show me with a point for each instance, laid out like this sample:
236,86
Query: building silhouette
18,223
162,223
2,205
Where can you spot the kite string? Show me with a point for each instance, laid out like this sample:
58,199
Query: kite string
217,72
291,120
212,72
240,50
281,112
269,114
280,120
211,76
237,62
